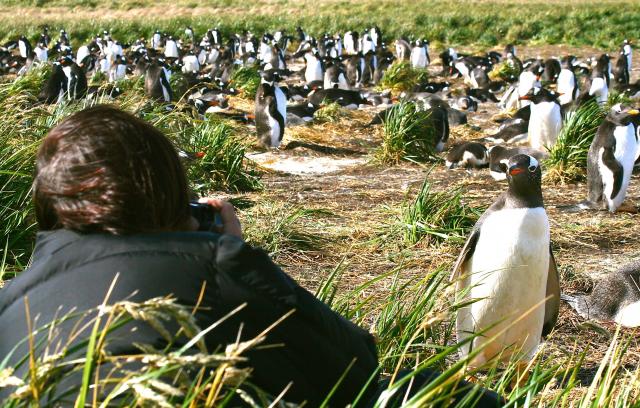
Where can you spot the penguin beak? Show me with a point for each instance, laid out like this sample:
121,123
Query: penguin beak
514,170
525,98
634,112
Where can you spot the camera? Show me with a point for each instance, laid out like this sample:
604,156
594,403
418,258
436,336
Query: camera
207,216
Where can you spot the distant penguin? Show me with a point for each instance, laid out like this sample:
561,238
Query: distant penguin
528,80
546,118
506,268
188,32
567,84
510,49
41,52
82,53
403,49
334,78
419,55
615,298
270,111
552,68
467,155
626,49
190,63
611,157
76,80
156,83
24,46
351,42
118,69
354,66
313,70
511,131
156,40
600,80
499,158
621,71
366,44
54,87
171,48
343,97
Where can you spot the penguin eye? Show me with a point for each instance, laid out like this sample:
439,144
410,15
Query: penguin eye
532,168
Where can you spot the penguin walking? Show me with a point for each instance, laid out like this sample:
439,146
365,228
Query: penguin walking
614,298
508,268
270,111
611,157
545,121
156,83
419,54
567,84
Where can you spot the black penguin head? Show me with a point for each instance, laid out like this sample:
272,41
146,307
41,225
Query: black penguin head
537,95
525,178
622,115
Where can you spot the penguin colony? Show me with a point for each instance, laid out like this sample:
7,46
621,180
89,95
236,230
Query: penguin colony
512,294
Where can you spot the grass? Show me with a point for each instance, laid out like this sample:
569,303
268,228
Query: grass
330,113
408,134
567,159
437,216
486,23
400,76
504,71
247,80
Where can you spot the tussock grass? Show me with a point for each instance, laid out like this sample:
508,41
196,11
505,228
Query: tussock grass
330,113
401,76
504,71
437,216
247,80
408,134
567,159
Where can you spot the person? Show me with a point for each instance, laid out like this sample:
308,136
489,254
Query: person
112,204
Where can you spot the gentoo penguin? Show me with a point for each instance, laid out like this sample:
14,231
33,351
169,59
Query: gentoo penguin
626,49
156,83
24,46
270,111
171,48
334,77
510,131
419,54
529,79
313,70
76,80
610,159
190,63
403,49
188,32
567,85
600,79
499,158
54,88
506,268
467,154
614,298
551,70
343,97
546,119
156,40
621,71
351,42
41,52
118,69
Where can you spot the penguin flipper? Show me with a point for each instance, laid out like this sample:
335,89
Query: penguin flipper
465,254
609,160
552,306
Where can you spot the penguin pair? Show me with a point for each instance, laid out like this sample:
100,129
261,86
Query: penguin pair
611,157
506,275
270,111
545,121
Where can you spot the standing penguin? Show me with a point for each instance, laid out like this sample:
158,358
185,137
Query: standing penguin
156,83
567,83
118,69
611,157
419,55
626,49
76,80
508,268
351,42
156,40
621,71
313,70
545,121
403,49
600,79
171,48
24,46
41,51
270,111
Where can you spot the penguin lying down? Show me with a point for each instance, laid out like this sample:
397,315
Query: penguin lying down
615,298
467,155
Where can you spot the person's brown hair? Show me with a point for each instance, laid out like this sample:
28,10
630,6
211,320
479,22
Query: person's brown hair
104,170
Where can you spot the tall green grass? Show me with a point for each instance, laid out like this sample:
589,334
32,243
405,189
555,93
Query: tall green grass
437,216
567,159
247,80
401,76
408,134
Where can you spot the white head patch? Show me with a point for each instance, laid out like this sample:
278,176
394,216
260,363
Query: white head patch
533,161
617,108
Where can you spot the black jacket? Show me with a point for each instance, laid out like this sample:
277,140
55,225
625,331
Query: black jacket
71,270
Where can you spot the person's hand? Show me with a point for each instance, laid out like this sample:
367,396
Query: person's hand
230,222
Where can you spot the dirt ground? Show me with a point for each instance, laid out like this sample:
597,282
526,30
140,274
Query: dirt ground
329,167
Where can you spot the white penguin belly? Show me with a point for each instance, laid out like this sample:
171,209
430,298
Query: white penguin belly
600,89
508,272
544,124
625,154
566,83
629,315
